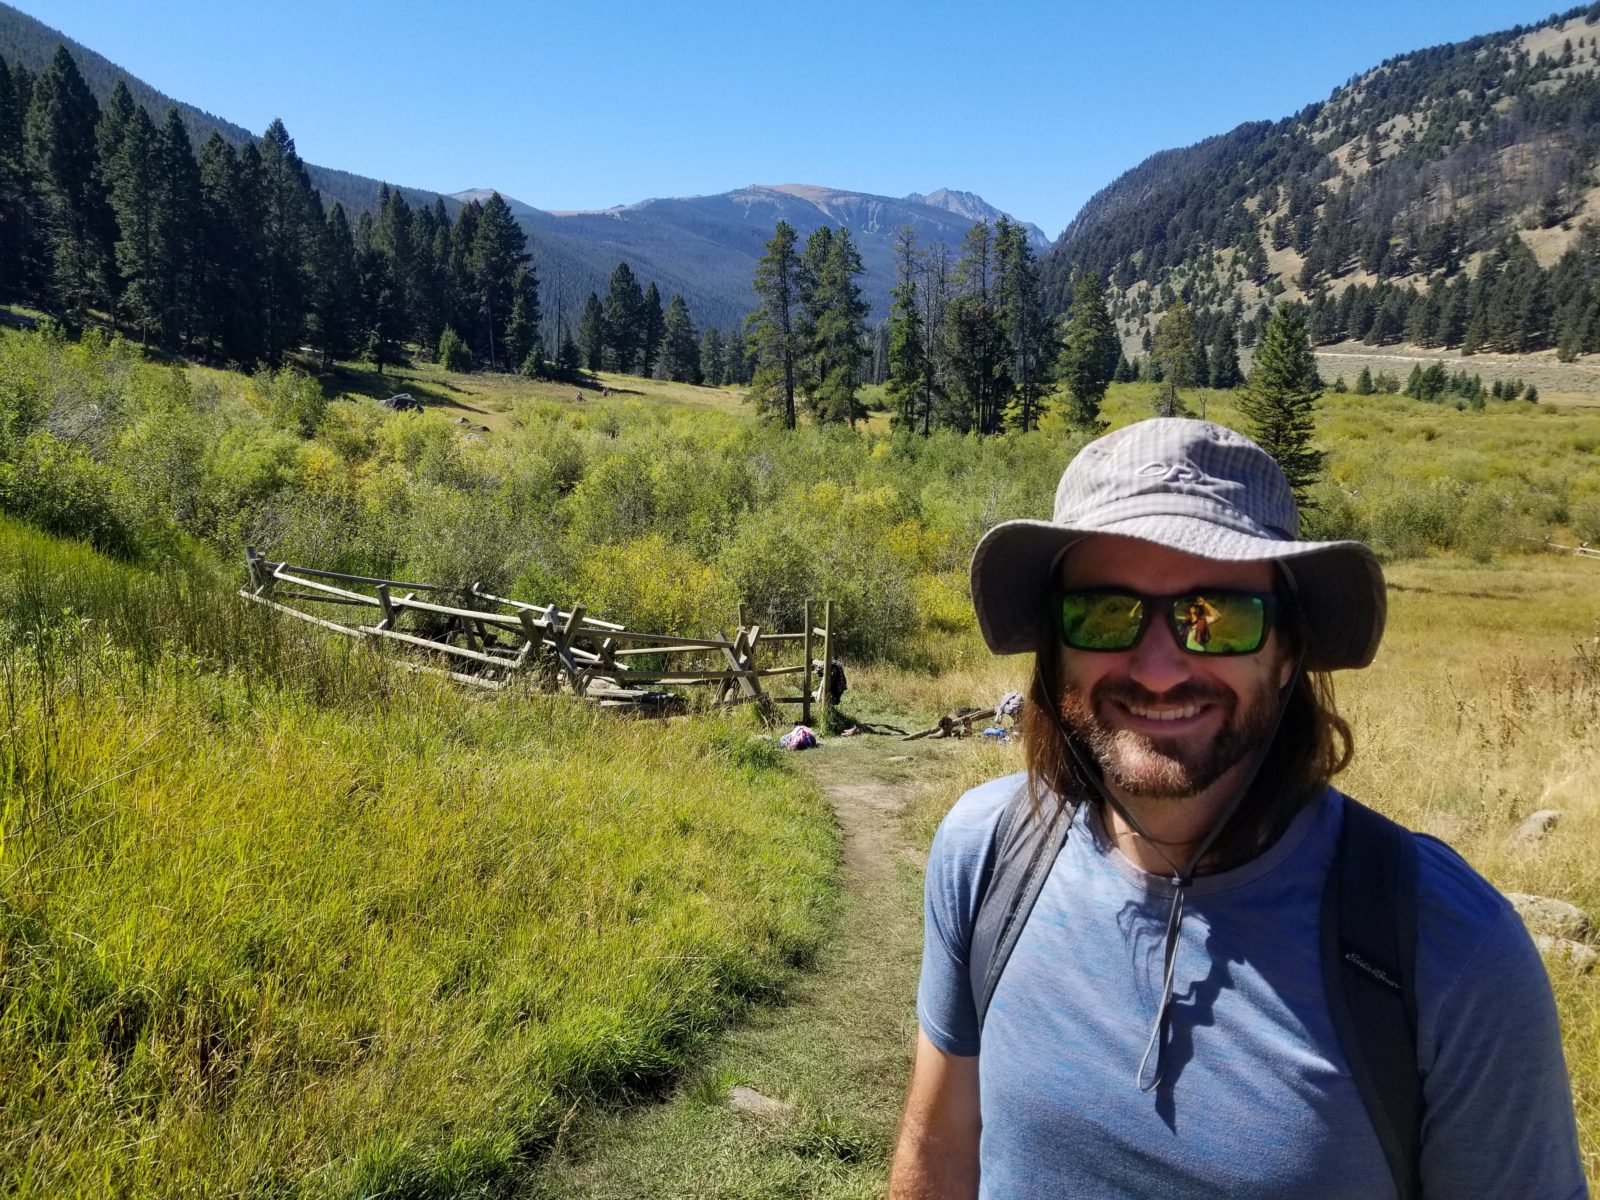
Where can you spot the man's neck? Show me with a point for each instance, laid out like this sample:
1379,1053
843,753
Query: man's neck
1173,828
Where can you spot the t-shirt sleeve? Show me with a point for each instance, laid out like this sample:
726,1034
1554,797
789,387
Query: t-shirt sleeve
1498,1106
944,995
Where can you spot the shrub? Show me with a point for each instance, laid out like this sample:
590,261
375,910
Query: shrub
57,487
453,352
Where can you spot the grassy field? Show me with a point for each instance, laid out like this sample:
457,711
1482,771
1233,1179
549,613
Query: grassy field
276,919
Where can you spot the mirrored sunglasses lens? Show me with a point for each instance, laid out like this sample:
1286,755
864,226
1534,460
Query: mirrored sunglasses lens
1101,620
1220,624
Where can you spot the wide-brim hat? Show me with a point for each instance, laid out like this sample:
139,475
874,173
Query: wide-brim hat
1190,486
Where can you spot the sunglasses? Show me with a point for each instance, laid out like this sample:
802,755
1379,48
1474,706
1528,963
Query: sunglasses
1204,621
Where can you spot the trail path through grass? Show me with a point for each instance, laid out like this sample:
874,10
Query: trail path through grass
834,1056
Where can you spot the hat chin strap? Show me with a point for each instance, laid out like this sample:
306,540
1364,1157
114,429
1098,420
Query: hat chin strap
1181,877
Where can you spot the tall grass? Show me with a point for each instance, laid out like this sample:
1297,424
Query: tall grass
275,919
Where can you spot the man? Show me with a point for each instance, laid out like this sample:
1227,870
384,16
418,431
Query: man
1161,1026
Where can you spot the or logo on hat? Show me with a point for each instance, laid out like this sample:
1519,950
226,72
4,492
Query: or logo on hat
1178,471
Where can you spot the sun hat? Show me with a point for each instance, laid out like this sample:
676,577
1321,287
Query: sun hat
1195,487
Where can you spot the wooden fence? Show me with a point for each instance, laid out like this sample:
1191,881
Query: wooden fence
488,641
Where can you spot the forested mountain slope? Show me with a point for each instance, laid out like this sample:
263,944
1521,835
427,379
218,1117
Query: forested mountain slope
704,247
1439,198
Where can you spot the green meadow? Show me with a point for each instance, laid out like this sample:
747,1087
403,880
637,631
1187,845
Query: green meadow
279,919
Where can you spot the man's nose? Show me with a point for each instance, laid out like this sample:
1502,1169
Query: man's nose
1158,662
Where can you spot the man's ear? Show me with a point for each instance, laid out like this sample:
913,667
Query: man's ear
1285,672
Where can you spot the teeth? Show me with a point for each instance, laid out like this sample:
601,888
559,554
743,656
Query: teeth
1182,713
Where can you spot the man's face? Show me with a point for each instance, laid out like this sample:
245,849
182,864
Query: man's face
1161,722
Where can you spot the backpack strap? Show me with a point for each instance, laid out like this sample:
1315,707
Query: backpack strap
1025,847
1369,955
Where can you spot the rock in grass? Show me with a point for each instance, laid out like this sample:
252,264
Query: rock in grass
1565,949
747,1099
1532,831
1553,918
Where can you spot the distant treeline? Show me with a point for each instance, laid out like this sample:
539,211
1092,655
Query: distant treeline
229,254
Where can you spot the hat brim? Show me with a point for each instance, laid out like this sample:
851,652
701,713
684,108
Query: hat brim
1339,585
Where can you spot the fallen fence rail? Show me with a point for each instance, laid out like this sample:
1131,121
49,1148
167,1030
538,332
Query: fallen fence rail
488,641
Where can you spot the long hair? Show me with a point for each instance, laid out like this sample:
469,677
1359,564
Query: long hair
1313,744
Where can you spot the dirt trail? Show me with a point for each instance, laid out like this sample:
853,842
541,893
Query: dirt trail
834,1056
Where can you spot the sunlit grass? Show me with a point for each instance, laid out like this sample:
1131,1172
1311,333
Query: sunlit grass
377,941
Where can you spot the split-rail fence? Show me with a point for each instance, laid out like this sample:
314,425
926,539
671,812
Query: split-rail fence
490,641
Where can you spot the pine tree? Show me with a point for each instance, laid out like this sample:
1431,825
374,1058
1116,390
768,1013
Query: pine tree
592,333
336,309
132,172
228,249
1029,334
680,345
1088,352
1174,350
77,226
293,220
711,362
1224,357
908,361
499,251
834,326
625,321
975,341
653,329
1364,382
177,224
17,226
1279,402
772,385
522,328
382,302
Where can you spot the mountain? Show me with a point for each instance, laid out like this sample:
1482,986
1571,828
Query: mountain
975,208
1475,161
706,247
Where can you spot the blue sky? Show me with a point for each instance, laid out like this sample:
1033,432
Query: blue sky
585,104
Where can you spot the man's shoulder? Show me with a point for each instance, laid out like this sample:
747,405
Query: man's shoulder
970,824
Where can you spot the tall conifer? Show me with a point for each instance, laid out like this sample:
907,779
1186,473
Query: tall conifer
1279,401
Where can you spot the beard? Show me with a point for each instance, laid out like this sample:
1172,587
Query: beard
1156,768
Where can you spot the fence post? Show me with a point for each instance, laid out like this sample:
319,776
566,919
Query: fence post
827,663
805,691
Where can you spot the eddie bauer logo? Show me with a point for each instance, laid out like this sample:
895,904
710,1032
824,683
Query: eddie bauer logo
1376,973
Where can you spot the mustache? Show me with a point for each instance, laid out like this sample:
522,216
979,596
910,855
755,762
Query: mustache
1190,691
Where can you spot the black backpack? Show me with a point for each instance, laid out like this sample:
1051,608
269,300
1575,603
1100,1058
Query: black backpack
1369,952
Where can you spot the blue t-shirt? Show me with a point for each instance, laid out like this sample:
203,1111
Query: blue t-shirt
1257,1098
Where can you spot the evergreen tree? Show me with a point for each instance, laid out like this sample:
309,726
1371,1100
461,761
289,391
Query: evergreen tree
1279,402
908,362
77,227
592,333
569,359
834,325
228,250
624,321
132,172
177,226
1364,382
1089,351
499,251
293,216
653,327
711,362
17,226
680,345
772,385
1224,357
336,310
1175,351
975,341
382,303
1028,331
522,328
